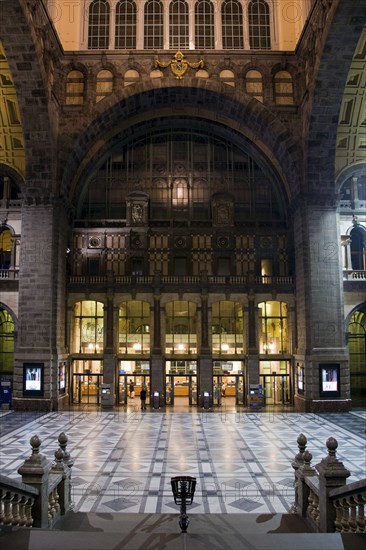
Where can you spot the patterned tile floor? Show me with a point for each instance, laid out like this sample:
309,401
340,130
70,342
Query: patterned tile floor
124,459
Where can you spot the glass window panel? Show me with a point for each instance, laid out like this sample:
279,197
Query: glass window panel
273,327
88,327
180,169
153,25
284,94
178,25
98,28
181,337
232,25
134,327
7,331
125,31
259,25
227,328
204,25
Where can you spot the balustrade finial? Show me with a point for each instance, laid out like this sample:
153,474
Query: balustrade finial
332,445
63,439
35,443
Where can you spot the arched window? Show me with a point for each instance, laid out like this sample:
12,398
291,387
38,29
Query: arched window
75,88
232,25
273,332
98,27
259,25
178,25
358,252
7,330
227,328
134,327
357,354
181,328
125,34
130,77
284,91
88,327
228,77
180,194
254,84
204,25
104,84
9,189
153,25
5,248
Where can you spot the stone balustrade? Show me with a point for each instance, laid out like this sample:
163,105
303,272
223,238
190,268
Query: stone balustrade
350,275
199,280
9,274
16,502
43,495
322,496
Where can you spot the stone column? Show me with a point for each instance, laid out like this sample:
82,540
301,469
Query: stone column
205,356
253,356
319,301
40,296
109,344
157,366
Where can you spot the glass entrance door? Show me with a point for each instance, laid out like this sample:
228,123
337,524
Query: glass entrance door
276,389
181,390
132,376
86,388
87,377
181,383
230,388
129,388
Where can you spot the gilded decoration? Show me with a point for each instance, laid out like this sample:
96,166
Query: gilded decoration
179,65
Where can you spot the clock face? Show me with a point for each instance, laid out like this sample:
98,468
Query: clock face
91,332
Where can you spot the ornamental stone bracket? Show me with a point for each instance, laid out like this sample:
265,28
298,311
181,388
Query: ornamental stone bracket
179,65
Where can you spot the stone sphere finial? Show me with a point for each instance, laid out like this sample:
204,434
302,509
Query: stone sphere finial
62,438
332,445
307,457
35,443
301,440
59,455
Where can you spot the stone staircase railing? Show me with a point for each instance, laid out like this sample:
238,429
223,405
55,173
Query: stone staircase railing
43,494
322,496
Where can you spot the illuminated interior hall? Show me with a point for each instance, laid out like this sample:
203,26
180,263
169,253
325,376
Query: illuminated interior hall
183,203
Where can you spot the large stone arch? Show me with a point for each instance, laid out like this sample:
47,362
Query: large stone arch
18,36
206,100
344,33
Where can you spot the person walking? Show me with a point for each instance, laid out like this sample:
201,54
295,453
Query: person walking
132,389
143,398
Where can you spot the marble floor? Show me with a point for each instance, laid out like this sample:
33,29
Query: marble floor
124,459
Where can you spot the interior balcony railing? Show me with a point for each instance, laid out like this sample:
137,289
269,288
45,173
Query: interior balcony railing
9,274
199,281
352,275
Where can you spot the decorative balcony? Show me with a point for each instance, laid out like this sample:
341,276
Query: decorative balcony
9,274
350,275
189,282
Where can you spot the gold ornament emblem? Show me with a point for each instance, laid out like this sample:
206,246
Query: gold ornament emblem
179,65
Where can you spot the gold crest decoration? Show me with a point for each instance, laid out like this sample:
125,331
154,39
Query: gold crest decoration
179,65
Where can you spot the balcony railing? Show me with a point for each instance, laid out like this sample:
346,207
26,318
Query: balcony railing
9,274
350,275
184,280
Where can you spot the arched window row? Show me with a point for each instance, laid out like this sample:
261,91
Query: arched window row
179,25
7,339
181,327
281,92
